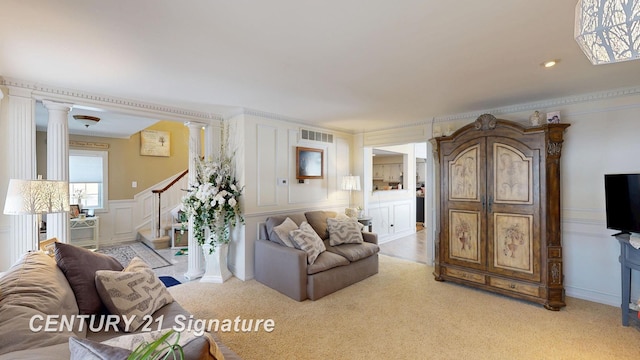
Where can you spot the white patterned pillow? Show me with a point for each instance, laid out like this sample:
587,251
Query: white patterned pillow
284,229
344,232
344,217
307,240
133,292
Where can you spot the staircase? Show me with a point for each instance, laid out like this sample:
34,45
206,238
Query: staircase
154,205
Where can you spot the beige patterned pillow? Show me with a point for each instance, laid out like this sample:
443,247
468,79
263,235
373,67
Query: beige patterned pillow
307,240
132,293
344,232
284,229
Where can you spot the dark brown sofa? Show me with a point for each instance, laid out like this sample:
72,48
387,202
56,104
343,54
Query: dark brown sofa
286,269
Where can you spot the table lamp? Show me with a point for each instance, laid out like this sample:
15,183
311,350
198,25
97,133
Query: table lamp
36,197
350,183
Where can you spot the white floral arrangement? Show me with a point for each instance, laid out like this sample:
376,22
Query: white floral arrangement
212,202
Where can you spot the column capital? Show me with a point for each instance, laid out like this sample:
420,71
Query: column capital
195,124
54,105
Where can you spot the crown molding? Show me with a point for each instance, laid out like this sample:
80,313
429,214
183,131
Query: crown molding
133,107
545,104
277,117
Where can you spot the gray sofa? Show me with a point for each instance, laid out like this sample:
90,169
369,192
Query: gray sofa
286,269
37,287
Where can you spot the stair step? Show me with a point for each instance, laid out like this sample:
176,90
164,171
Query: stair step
146,236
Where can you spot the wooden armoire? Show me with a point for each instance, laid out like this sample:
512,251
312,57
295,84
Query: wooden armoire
499,209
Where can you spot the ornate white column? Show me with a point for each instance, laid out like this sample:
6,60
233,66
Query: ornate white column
58,162
195,257
22,165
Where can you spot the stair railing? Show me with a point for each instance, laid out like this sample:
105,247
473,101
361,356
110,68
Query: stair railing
156,221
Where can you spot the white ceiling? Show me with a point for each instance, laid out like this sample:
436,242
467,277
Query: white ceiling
348,64
110,125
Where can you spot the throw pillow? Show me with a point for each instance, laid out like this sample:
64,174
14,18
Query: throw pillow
34,285
344,232
307,240
79,266
284,229
136,264
318,221
134,292
344,217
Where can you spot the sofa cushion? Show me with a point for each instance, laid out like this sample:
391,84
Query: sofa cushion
274,221
344,232
325,261
34,286
83,349
134,292
283,230
355,252
318,220
79,266
193,346
306,239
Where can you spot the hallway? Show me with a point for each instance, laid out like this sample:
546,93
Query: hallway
412,247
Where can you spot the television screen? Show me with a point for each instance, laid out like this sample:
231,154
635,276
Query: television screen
622,193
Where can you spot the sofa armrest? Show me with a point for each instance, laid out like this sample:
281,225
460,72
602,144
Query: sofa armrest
281,268
370,237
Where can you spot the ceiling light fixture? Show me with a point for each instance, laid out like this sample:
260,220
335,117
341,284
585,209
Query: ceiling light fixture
86,120
550,63
608,31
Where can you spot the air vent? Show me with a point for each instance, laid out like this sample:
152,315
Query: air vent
316,136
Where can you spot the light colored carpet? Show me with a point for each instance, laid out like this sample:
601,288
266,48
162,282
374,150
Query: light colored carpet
125,252
402,313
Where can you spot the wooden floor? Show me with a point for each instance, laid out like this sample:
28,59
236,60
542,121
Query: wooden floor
412,247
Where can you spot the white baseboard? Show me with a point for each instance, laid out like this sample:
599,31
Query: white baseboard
591,295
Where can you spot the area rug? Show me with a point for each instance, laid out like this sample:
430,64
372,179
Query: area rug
125,252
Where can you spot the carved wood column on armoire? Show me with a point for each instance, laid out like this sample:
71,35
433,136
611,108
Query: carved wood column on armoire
499,209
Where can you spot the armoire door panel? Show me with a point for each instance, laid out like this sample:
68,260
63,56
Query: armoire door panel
513,242
465,202
513,217
464,239
513,175
464,180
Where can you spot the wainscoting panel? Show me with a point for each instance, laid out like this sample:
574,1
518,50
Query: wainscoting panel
267,163
118,225
591,266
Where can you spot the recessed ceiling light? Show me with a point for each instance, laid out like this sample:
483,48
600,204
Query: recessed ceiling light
550,63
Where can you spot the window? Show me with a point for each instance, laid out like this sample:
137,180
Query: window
88,178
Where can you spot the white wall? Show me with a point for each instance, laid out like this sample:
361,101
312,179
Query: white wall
603,138
5,241
269,157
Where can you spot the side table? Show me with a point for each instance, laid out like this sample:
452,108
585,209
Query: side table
87,223
629,259
366,221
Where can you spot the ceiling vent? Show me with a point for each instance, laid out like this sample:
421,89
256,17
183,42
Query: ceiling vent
316,136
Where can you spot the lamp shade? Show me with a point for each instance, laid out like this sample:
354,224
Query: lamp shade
26,197
351,182
608,31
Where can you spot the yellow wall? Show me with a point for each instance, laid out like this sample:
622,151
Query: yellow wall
125,162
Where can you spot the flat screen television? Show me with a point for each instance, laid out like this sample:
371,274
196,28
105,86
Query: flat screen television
622,193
